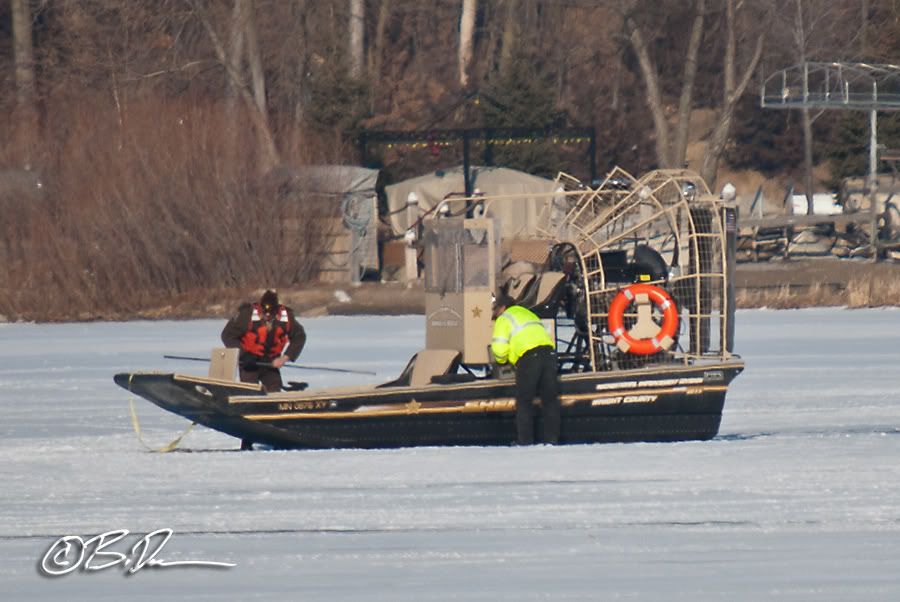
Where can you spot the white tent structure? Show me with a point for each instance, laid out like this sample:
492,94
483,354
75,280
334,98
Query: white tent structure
518,217
352,242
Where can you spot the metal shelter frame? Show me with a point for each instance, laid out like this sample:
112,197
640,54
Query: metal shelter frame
839,85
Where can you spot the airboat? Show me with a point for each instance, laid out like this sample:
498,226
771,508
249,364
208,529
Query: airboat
632,278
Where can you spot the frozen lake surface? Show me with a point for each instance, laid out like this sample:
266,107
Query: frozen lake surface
797,499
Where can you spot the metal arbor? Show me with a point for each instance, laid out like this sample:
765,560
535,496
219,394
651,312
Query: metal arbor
847,86
859,86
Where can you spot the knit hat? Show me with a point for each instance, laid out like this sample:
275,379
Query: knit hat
269,301
501,302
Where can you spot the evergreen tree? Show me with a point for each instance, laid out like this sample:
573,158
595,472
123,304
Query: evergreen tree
521,96
337,100
765,140
848,146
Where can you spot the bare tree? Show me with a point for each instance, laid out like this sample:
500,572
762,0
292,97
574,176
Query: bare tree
357,28
671,152
808,27
864,28
732,90
26,118
235,65
687,90
511,33
801,43
466,39
252,96
236,39
667,155
254,60
377,50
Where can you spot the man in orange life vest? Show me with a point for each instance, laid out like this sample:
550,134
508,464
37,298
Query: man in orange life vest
268,336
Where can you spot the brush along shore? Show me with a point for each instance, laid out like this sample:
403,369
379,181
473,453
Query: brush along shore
784,284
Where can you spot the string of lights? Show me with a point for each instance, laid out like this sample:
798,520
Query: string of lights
487,138
495,142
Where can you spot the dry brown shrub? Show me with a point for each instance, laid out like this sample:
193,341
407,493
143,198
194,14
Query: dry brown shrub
870,291
150,205
790,297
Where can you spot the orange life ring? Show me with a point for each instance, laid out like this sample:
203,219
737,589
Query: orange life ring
629,344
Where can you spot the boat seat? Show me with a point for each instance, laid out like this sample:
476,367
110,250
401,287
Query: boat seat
223,363
648,261
433,362
544,295
516,278
426,365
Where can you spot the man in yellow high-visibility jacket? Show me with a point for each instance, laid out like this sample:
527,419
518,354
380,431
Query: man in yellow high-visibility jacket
521,339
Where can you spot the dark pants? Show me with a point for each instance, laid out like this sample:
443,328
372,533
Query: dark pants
269,377
271,381
536,376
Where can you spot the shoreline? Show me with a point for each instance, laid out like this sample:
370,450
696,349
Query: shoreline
783,284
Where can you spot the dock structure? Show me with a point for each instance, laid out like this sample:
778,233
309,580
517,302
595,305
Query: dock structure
838,85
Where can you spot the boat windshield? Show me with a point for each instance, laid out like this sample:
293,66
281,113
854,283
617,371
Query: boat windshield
457,256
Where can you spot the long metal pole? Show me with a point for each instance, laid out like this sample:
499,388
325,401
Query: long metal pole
467,165
873,178
269,365
873,150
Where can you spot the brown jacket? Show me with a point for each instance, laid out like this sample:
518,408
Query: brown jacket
242,323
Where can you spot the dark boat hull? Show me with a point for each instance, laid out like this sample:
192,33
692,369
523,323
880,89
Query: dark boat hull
665,403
